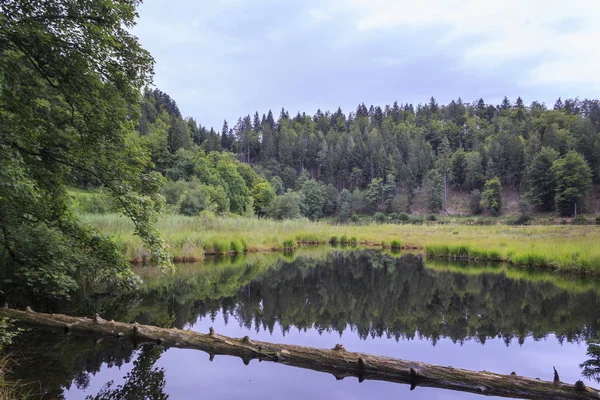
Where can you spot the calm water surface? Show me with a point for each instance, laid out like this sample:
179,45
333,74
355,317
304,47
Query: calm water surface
476,317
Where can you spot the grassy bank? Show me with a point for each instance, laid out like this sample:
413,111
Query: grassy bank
558,247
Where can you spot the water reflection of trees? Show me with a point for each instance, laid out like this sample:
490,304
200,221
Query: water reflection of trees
144,381
369,293
378,295
375,295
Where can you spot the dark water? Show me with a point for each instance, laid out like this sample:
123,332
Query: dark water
475,317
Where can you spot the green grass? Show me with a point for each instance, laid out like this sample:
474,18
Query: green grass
220,247
289,244
565,247
236,246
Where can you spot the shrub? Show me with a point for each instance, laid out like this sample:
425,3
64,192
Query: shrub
333,240
403,217
354,218
417,220
237,246
431,217
220,247
7,332
580,220
380,217
483,221
598,220
523,219
289,244
524,207
353,241
344,239
395,244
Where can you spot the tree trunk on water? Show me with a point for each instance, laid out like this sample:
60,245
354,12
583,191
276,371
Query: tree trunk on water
337,361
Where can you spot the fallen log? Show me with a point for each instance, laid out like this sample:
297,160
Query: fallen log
337,361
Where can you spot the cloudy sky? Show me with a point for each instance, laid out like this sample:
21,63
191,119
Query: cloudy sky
227,58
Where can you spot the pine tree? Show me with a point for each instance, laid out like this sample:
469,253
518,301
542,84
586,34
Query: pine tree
443,164
573,179
541,180
459,168
434,190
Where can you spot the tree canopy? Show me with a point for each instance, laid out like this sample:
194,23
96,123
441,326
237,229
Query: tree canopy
70,80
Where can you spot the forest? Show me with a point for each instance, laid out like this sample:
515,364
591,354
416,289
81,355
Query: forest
391,159
116,205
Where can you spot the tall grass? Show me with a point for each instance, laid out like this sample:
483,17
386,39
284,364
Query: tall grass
558,247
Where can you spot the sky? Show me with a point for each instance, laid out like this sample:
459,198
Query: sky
228,58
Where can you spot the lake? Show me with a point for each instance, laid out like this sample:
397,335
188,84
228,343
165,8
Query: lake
479,317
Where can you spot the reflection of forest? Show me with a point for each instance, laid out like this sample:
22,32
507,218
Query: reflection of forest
380,295
371,293
48,364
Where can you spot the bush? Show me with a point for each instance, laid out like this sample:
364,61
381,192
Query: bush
417,220
289,244
379,217
524,207
399,218
354,218
395,244
598,220
220,247
580,220
431,217
520,220
333,240
237,246
7,332
403,217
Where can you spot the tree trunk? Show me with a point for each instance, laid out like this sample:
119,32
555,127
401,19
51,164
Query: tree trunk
445,192
337,361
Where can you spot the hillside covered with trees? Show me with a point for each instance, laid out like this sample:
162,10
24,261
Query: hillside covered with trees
395,159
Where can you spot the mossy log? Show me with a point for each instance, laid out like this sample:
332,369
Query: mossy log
337,361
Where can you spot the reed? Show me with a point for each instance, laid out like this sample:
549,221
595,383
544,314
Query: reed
561,247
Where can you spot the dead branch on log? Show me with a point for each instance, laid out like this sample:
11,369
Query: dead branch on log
337,361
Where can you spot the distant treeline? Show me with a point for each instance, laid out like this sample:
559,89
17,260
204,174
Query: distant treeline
398,158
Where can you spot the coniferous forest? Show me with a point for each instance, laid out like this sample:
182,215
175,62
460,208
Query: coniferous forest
397,158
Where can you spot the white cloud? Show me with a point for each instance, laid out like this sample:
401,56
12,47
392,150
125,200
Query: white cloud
556,39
